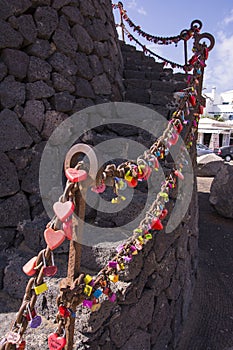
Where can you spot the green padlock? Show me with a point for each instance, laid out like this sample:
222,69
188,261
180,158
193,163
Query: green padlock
41,288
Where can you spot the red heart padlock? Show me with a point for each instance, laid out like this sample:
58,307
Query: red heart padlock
156,224
163,214
192,100
75,175
51,270
56,342
54,238
201,109
29,267
63,311
132,183
63,210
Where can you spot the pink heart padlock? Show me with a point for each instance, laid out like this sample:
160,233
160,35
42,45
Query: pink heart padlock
56,342
68,229
63,210
99,189
75,175
54,238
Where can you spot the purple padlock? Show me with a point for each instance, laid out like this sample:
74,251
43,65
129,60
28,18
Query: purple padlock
35,321
112,264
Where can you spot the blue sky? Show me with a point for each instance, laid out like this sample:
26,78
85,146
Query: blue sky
168,18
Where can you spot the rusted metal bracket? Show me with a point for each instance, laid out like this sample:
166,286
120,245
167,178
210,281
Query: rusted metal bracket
78,219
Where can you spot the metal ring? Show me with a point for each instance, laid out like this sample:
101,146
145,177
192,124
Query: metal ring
75,151
193,26
206,36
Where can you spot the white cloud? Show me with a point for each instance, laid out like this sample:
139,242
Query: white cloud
132,4
142,11
228,19
219,71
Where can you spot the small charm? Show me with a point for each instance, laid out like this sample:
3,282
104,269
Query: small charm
35,320
54,238
68,229
63,210
75,175
49,271
41,288
56,342
29,267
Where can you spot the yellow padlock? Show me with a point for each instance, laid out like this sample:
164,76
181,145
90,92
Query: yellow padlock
87,279
114,278
41,288
87,290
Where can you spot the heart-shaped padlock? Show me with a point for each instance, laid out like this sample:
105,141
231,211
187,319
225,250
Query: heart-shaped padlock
54,238
56,342
68,229
63,210
75,175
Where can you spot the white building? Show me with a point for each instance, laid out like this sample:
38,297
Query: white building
219,104
215,133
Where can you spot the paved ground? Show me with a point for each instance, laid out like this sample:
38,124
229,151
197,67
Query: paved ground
210,322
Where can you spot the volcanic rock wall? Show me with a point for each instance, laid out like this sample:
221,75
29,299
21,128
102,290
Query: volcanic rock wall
58,57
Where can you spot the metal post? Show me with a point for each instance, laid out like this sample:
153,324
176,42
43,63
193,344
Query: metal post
75,253
78,220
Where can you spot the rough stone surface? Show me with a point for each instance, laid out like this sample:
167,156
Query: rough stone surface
27,28
38,69
63,101
41,48
11,38
83,39
65,42
3,71
16,61
84,88
34,113
60,83
46,20
52,120
12,133
9,183
12,92
101,85
220,192
63,64
73,14
38,90
13,210
209,165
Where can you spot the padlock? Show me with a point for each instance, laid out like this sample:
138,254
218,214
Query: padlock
54,238
63,210
75,175
41,288
63,311
95,307
56,341
97,293
156,224
87,290
114,278
21,345
112,297
88,303
68,229
49,271
35,321
87,279
29,267
13,337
